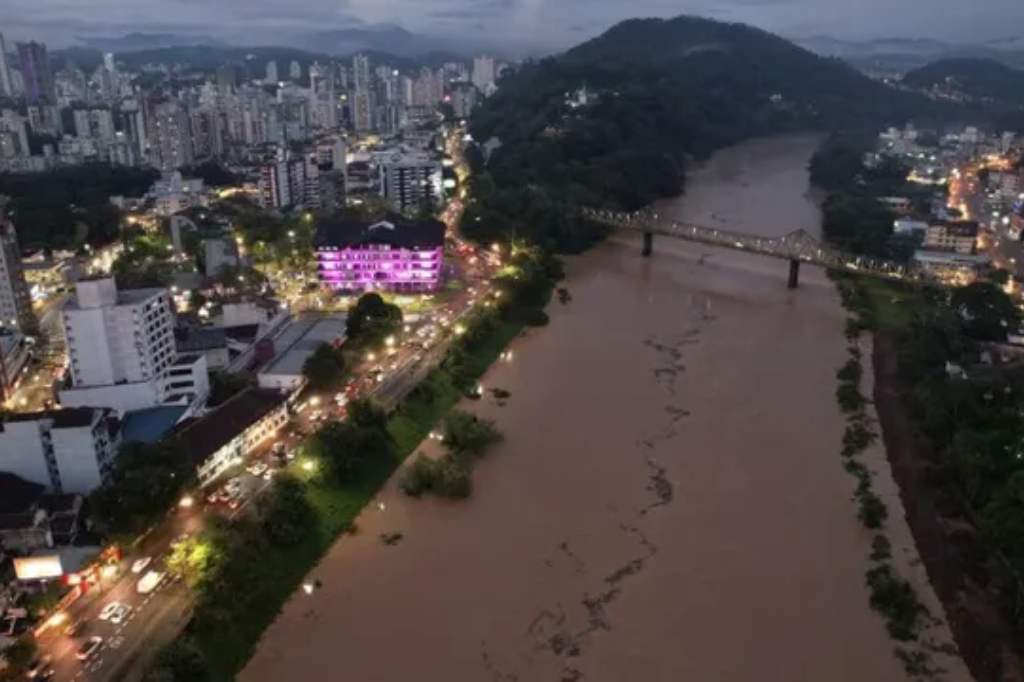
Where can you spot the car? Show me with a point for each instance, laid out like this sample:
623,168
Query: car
214,497
140,564
89,648
38,668
259,469
75,627
109,610
268,474
234,504
118,616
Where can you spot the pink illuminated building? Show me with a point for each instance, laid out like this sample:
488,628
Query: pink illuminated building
391,254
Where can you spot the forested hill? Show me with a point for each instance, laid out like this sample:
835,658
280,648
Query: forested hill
980,79
658,92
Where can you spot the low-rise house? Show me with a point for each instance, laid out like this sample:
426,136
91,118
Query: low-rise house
31,519
227,434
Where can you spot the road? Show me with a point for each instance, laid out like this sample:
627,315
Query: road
36,389
1005,251
159,616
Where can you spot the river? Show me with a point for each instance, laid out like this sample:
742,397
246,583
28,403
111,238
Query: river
669,502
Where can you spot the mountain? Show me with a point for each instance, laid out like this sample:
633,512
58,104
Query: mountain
975,79
903,54
658,92
147,41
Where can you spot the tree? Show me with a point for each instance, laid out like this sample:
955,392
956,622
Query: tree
146,481
464,433
225,385
350,451
1002,519
287,515
19,655
179,660
371,319
324,368
366,414
986,311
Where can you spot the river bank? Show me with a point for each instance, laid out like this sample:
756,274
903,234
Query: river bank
985,639
669,491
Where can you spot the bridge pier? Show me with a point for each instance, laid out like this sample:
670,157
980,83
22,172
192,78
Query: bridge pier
648,244
794,274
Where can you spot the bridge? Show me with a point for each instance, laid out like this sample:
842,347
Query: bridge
796,247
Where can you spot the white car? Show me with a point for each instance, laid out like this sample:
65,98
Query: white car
120,614
140,564
87,650
259,469
109,610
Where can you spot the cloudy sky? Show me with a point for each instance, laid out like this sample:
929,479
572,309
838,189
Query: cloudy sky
553,23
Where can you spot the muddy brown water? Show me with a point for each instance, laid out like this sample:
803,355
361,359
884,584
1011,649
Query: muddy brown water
668,504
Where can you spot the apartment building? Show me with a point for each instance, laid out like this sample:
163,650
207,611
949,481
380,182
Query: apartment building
958,236
69,451
121,350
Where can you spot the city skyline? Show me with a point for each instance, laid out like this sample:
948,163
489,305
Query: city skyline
507,24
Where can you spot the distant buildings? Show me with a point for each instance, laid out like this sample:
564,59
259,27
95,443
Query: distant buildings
173,193
121,350
483,72
70,450
36,74
390,254
6,86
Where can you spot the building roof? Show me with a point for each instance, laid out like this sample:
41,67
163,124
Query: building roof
18,495
150,425
290,361
391,229
194,339
205,436
69,418
960,228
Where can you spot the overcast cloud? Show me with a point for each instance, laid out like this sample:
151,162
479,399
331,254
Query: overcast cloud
551,23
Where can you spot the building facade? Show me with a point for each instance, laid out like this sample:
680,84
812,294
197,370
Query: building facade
37,74
69,451
15,299
391,254
121,350
410,180
959,236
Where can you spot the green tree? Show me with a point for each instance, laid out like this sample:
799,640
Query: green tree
988,312
179,660
464,433
287,515
147,480
350,451
324,368
1002,519
371,319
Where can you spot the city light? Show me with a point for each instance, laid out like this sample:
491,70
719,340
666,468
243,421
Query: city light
108,571
390,341
308,588
308,465
186,502
459,330
371,356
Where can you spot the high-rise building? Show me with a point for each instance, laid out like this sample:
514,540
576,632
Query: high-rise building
97,124
170,137
272,72
121,350
108,62
283,181
362,107
15,301
37,74
295,71
483,72
6,86
410,180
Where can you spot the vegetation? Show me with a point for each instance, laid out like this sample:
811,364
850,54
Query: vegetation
466,437
980,79
372,319
225,385
658,95
178,661
212,173
18,655
146,481
325,368
68,207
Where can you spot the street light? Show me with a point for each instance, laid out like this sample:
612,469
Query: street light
186,502
390,341
308,465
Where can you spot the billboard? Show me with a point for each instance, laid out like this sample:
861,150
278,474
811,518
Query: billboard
38,567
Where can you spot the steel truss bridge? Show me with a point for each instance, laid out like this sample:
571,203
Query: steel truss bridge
796,247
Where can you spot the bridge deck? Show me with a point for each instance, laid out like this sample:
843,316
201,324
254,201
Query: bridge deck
794,246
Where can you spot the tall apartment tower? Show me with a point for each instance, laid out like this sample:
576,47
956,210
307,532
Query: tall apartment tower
483,72
170,137
15,301
6,86
362,116
37,74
